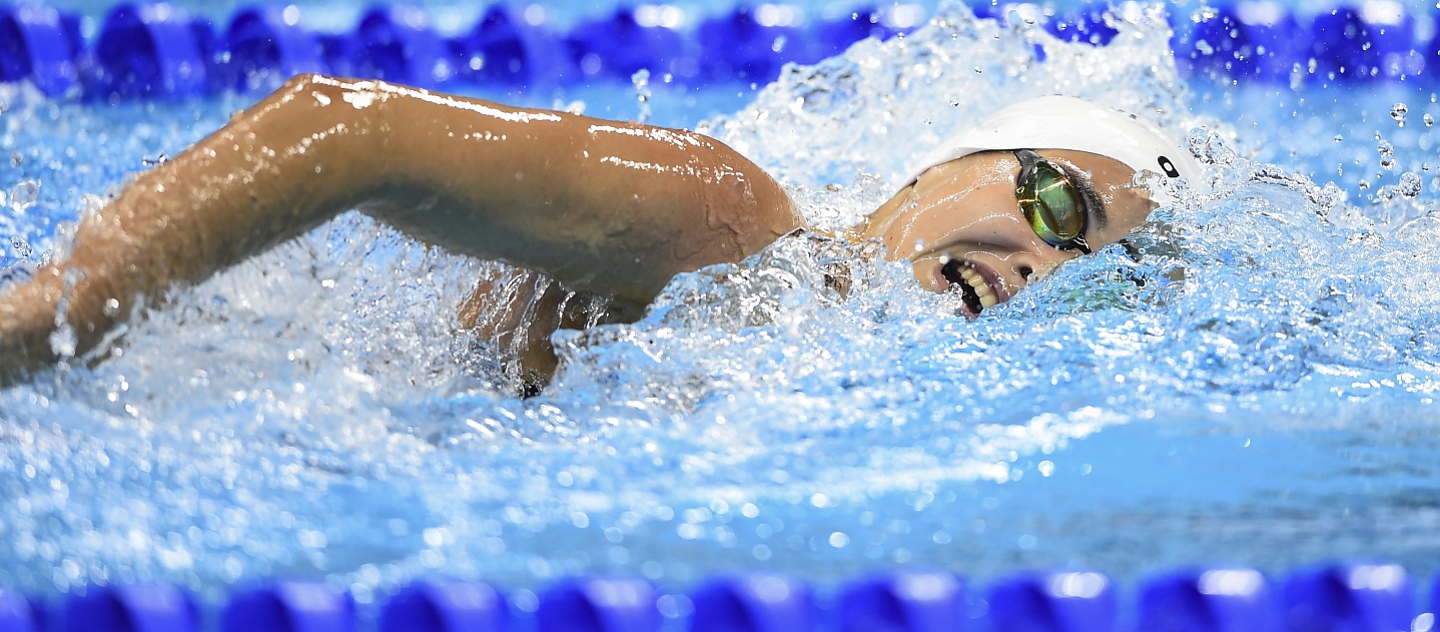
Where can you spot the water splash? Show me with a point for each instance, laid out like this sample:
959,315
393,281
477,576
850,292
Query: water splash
1241,369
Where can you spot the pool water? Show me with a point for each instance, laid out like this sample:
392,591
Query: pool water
1249,378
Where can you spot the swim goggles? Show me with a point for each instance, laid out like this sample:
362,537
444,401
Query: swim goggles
1051,203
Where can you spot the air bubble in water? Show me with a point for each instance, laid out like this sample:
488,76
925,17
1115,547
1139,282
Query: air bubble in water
23,195
16,158
1398,112
1429,120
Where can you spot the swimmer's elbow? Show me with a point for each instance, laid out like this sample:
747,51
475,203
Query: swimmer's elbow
307,81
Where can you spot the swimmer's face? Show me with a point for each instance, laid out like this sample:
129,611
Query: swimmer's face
964,231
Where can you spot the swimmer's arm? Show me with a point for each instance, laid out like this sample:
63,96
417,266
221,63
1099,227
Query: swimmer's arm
611,208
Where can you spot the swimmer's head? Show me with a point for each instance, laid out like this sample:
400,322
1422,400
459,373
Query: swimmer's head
1038,183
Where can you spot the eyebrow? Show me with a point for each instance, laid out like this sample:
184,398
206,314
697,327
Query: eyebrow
1093,203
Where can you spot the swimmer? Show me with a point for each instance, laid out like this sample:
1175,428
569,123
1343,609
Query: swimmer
610,210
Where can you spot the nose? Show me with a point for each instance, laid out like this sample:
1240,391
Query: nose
1027,263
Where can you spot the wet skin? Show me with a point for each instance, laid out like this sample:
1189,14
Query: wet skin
609,209
961,227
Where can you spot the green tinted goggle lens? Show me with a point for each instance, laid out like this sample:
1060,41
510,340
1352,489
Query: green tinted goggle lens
1052,205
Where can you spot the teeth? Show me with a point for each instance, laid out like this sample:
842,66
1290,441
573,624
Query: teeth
982,289
976,281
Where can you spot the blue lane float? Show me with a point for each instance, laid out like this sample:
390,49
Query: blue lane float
1054,602
1349,598
397,43
751,45
907,601
450,606
631,40
598,604
147,50
288,606
152,50
135,608
509,48
1208,600
16,613
757,602
36,43
268,45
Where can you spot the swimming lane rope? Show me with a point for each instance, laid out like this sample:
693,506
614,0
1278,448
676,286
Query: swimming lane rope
1337,598
155,50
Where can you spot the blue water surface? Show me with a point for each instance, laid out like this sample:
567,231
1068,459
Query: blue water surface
1249,378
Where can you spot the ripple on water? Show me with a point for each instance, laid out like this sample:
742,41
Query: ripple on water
1235,374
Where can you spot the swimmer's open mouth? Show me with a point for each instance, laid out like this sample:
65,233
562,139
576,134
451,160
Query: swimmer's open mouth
975,290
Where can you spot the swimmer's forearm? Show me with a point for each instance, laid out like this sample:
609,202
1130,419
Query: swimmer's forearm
276,170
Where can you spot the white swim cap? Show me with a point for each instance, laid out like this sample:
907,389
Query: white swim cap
1061,122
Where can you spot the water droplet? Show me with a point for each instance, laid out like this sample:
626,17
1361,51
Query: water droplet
1387,155
16,159
64,340
1339,138
21,247
1398,112
112,307
158,160
1410,184
641,81
23,195
979,70
1364,184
